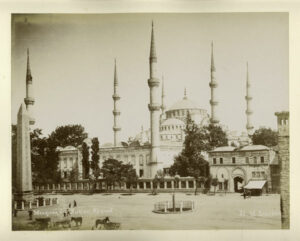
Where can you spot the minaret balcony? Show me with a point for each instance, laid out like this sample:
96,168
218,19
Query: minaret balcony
116,97
152,82
213,84
29,100
31,121
249,112
154,106
117,128
214,120
116,112
249,127
153,59
248,98
214,102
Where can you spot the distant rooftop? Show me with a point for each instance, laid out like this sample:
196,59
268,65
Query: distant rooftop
244,148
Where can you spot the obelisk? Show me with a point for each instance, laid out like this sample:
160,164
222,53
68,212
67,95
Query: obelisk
23,174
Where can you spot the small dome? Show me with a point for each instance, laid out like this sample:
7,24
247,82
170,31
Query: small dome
183,104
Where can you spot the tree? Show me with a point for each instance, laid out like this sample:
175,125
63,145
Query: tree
85,160
265,136
128,175
215,137
191,162
214,182
111,170
68,135
95,158
158,178
225,185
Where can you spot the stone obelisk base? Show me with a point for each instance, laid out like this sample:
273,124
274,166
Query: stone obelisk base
24,196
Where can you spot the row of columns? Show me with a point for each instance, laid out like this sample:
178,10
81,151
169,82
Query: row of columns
35,203
101,185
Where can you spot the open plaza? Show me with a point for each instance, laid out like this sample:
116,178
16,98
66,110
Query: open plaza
220,211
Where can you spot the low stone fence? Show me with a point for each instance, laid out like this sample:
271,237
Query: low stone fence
186,184
167,207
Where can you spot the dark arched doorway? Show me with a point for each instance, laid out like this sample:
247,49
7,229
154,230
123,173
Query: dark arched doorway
237,184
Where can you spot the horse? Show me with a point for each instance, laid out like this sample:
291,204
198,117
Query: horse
62,223
101,222
77,220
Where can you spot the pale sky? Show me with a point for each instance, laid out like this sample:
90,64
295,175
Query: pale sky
72,61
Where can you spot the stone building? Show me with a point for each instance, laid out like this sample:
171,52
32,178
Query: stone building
240,166
284,162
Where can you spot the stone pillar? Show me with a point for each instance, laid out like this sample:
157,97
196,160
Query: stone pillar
22,203
30,205
195,183
44,202
15,205
172,184
137,186
186,184
51,202
151,185
179,184
144,183
284,164
23,167
165,185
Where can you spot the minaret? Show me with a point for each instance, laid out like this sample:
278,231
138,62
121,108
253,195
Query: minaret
116,112
185,96
248,98
29,100
163,105
163,95
213,87
154,106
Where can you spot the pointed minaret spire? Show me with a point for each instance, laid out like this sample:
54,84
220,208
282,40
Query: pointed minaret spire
213,87
28,71
154,108
116,112
29,100
185,96
153,57
248,98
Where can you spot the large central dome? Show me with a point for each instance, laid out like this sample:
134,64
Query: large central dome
184,104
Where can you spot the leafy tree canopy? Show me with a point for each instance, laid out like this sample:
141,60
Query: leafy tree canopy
265,136
68,135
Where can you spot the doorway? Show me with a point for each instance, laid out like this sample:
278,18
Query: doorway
238,181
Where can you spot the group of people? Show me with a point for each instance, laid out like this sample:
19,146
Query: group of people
67,213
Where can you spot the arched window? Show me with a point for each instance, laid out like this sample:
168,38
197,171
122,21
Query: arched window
141,160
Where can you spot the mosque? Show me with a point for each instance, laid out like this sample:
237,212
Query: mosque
153,149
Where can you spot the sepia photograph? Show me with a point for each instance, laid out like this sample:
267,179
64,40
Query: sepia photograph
150,121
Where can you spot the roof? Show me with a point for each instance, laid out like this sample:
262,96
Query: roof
257,184
254,148
224,148
185,103
172,121
244,148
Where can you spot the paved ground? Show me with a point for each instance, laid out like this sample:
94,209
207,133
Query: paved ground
228,211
